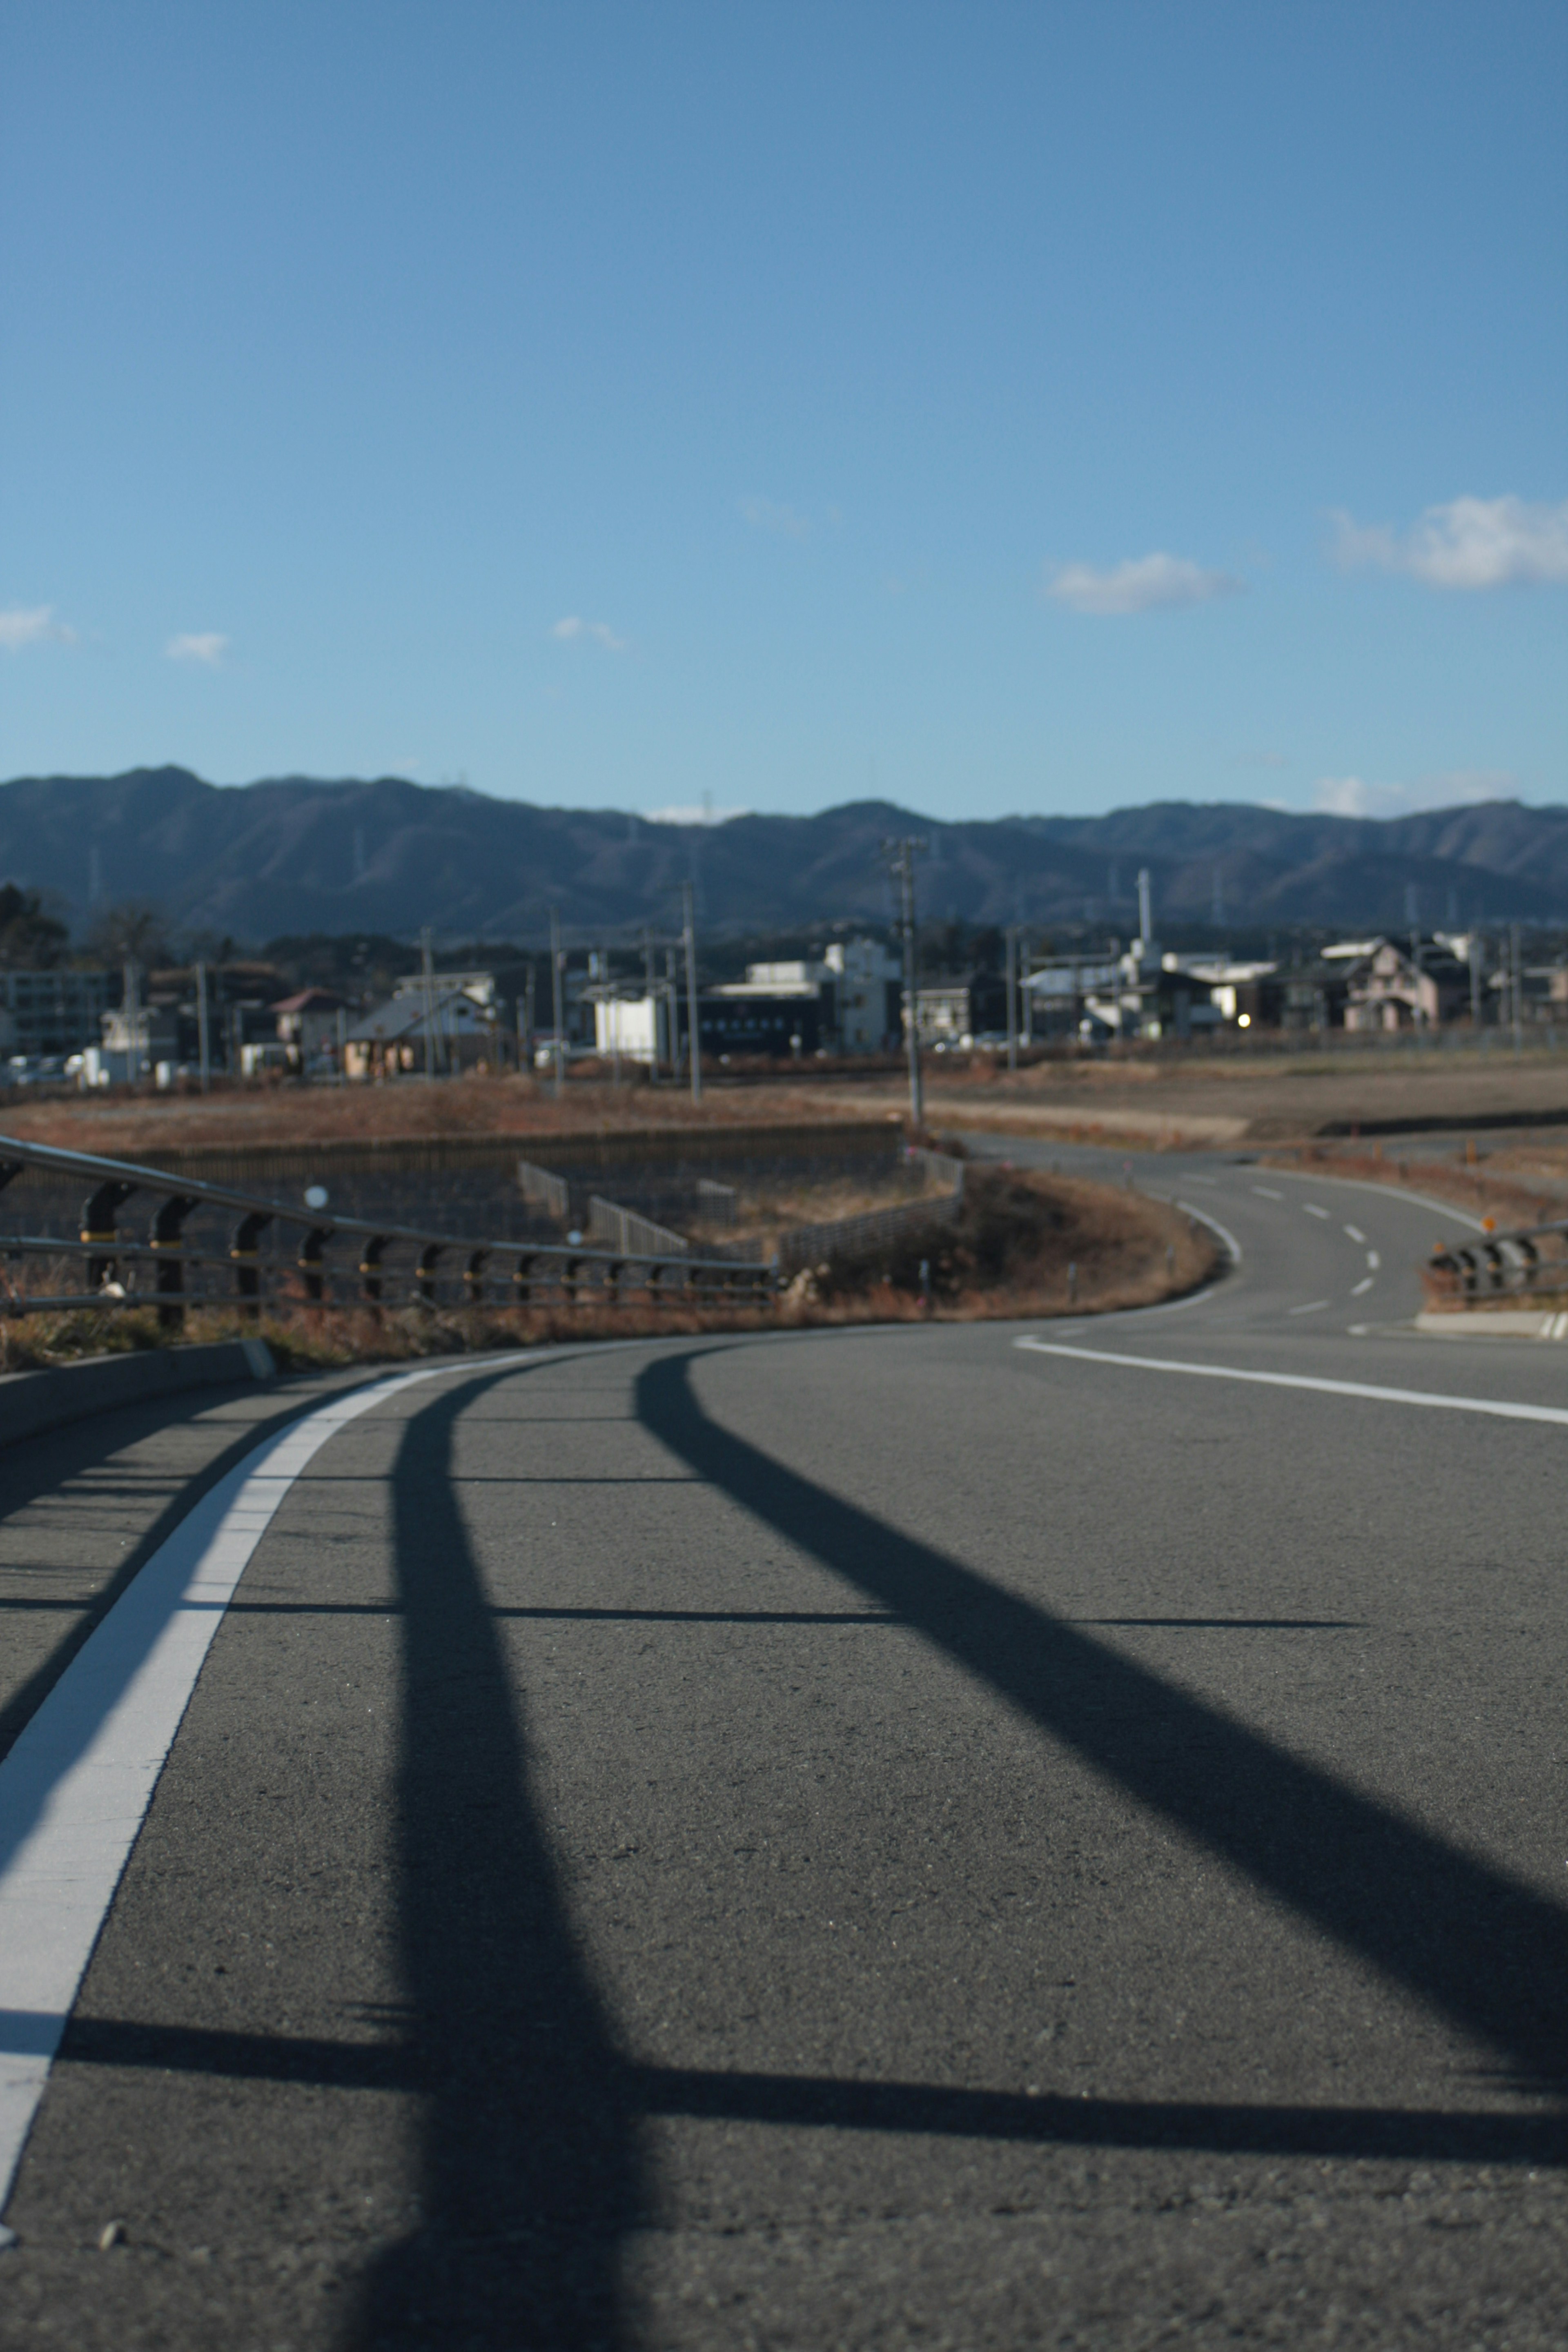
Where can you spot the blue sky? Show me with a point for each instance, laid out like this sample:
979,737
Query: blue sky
994,408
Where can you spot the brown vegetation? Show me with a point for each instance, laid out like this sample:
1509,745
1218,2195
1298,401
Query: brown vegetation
1008,1253
1152,1097
1026,1244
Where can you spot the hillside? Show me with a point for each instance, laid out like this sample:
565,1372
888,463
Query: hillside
299,855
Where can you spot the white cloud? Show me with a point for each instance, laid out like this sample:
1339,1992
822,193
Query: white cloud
204,646
36,626
706,814
766,514
1455,788
1142,584
573,627
1468,543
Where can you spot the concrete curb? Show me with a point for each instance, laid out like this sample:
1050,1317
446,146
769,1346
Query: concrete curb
1496,1323
33,1401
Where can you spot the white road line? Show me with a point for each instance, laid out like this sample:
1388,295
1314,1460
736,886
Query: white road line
1373,1260
1389,1192
1356,1235
1492,1406
1363,1285
1263,1193
75,1788
1313,1307
1313,1211
1232,1244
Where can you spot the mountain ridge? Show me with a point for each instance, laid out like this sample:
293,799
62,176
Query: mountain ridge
295,854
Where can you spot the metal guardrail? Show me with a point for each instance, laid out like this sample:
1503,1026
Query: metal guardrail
388,1260
1503,1264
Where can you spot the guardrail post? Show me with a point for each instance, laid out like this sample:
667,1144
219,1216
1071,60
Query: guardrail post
169,1280
245,1252
311,1255
98,1226
370,1269
612,1273
521,1278
425,1274
570,1268
474,1276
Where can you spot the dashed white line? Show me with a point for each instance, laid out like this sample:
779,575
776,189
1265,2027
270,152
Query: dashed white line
1355,1233
1313,1211
1313,1307
1362,1285
1373,1260
1263,1193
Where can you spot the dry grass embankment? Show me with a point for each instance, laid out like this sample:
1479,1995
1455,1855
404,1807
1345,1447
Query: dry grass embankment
1008,1253
1023,1244
1141,1100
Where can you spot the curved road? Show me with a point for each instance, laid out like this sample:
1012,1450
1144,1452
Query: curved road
882,1838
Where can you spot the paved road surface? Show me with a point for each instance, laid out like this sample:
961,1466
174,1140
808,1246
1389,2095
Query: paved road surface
879,1839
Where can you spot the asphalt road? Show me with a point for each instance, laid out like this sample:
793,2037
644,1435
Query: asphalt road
885,1838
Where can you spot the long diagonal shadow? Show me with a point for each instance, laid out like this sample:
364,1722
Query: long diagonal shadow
1483,1951
832,2103
530,2171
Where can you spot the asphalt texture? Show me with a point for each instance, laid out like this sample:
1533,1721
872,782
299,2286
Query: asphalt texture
871,1838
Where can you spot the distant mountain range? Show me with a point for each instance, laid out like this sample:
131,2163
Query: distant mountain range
295,856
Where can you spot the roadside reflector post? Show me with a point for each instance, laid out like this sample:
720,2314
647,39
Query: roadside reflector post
245,1252
169,1280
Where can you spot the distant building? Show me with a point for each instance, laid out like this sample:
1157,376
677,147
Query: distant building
1394,987
944,1014
747,1022
739,1021
309,1024
638,1027
416,1033
856,987
47,1014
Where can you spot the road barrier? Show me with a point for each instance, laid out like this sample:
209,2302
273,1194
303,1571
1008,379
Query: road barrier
1531,1258
251,1265
542,1189
625,1230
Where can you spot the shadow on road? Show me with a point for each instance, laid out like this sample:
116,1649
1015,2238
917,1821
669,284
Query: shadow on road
529,2170
1483,1951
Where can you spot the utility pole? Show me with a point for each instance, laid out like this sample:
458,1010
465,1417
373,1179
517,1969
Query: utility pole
1026,951
1477,950
901,855
651,991
132,1022
203,1054
1517,959
688,933
427,967
558,997
1012,996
